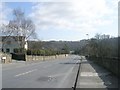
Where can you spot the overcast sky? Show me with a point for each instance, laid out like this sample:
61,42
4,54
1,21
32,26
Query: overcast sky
67,20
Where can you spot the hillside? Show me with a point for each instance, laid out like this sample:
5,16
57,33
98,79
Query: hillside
56,45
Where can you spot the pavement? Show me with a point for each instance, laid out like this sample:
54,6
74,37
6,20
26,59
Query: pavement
59,73
94,76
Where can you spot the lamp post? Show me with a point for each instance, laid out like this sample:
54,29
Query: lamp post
87,36
88,44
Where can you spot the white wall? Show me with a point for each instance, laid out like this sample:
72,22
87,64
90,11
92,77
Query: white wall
11,46
14,44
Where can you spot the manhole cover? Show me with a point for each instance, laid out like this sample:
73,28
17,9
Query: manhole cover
45,78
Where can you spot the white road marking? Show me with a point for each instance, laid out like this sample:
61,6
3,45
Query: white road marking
25,73
91,83
88,74
95,83
91,74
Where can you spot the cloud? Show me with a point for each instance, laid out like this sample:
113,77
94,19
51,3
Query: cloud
4,13
80,15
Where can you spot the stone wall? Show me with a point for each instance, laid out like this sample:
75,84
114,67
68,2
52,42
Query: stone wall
111,64
8,58
32,58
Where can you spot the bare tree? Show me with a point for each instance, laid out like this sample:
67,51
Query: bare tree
98,36
22,26
19,26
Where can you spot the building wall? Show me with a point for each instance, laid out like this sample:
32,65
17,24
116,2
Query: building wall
0,43
26,45
11,43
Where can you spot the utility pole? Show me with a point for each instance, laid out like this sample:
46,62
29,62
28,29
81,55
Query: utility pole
88,43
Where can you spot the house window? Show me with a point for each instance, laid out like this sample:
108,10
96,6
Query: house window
7,50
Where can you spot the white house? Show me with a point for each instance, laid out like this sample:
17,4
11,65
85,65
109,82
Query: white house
10,43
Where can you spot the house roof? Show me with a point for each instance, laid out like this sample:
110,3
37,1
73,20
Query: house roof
20,38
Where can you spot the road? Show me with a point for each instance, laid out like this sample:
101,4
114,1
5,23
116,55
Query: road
59,73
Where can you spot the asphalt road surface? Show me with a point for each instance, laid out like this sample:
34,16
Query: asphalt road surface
59,73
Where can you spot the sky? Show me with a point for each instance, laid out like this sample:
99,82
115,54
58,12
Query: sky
68,20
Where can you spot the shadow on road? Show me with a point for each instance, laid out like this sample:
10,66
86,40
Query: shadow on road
70,63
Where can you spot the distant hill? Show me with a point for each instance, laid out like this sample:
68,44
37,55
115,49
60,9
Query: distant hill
56,45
